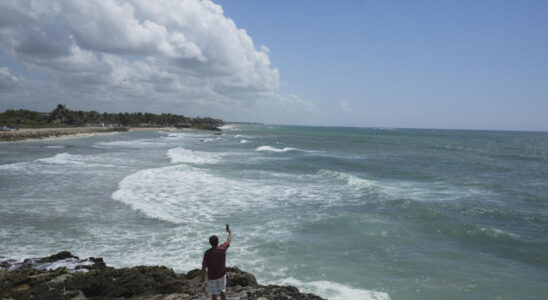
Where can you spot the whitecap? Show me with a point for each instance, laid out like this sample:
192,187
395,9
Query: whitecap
351,180
229,127
127,144
75,160
55,147
182,155
19,166
499,233
333,290
274,149
244,141
64,159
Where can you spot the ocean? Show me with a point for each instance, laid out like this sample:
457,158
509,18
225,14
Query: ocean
345,213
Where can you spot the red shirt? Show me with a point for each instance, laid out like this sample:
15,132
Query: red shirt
214,260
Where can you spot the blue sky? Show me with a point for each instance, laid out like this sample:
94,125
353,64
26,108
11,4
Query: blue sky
413,64
442,64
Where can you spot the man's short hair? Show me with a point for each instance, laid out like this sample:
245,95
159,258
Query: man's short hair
214,241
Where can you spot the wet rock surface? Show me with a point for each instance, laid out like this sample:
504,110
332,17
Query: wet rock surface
64,276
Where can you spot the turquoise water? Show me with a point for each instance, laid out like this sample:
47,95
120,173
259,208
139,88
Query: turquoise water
341,212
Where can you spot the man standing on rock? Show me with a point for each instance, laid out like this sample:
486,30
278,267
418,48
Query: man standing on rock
214,262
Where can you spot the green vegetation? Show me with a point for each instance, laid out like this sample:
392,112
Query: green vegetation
63,117
23,119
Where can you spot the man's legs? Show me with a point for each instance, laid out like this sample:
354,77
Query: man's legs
217,286
222,287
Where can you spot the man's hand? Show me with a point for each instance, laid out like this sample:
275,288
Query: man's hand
204,273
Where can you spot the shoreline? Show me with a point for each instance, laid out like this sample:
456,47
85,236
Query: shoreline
36,134
65,276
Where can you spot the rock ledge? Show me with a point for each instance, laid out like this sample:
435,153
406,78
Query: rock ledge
64,276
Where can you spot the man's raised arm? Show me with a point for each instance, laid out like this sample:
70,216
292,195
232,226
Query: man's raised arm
229,235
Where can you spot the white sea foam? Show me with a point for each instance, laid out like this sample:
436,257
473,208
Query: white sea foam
498,233
174,134
75,160
398,189
229,127
181,193
184,194
49,164
55,147
20,166
189,136
64,159
128,144
68,263
244,141
182,155
333,290
351,180
273,149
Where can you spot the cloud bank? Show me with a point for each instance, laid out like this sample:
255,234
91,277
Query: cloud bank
167,55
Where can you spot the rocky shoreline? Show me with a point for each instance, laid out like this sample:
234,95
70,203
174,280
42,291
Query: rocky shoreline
65,276
42,133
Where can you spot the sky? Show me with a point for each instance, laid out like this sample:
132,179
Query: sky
406,64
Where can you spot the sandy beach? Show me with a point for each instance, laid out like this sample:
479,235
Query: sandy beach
152,128
43,133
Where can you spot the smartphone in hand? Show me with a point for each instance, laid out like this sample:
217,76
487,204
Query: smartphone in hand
227,227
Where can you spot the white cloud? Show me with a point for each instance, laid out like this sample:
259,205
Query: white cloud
344,106
7,80
180,53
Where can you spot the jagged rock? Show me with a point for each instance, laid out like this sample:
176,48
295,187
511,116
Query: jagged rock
127,282
238,277
59,256
60,279
141,282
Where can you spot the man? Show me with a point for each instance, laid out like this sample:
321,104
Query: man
214,262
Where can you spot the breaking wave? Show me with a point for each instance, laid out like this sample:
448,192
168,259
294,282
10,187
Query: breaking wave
127,144
335,291
273,149
351,180
74,159
182,155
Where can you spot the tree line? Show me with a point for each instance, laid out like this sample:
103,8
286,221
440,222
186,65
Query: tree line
64,117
